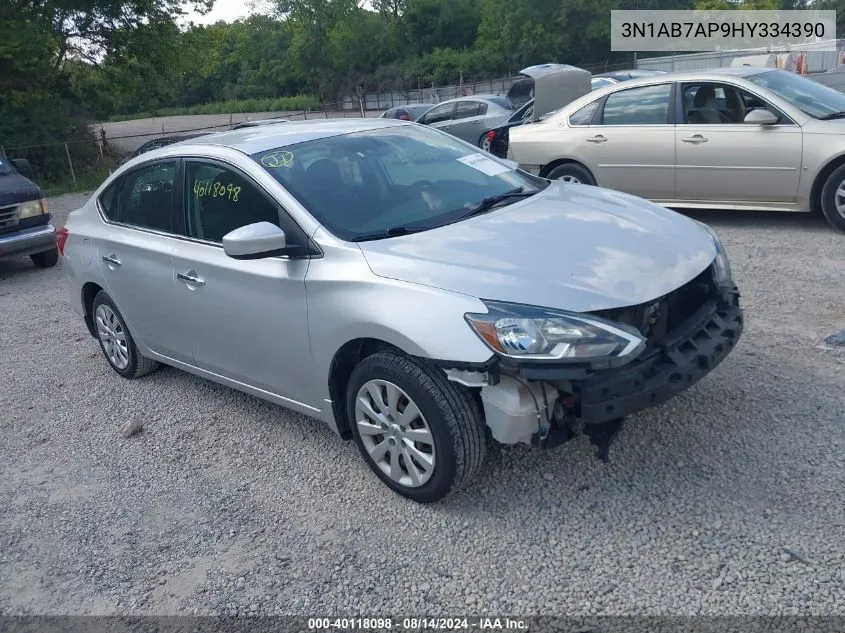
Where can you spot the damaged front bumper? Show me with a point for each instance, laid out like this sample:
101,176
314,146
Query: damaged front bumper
547,405
672,365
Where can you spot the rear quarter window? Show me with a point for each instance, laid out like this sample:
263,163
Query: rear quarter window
108,200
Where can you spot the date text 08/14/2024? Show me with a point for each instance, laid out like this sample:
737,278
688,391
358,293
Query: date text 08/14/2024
418,624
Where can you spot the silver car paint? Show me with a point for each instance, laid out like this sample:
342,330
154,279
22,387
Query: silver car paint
543,251
272,327
738,167
473,129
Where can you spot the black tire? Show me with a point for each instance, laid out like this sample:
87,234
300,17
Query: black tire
46,259
138,365
836,219
481,141
572,170
450,410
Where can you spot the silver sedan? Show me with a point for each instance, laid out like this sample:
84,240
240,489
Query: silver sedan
400,285
470,118
734,138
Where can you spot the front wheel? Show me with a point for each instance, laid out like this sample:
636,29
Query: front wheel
420,434
572,172
833,199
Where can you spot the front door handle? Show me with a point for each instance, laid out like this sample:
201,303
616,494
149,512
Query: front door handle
597,139
111,259
695,140
191,277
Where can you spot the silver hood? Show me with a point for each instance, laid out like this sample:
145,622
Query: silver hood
571,247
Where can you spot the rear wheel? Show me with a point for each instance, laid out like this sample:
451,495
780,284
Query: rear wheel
572,172
833,199
46,259
116,342
420,434
484,142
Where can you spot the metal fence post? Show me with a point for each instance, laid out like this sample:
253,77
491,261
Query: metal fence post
70,164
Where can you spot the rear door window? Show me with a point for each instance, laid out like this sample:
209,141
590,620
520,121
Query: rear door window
467,109
147,197
585,115
645,105
438,114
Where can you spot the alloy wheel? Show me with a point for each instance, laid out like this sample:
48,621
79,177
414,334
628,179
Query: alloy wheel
394,433
112,337
839,199
570,178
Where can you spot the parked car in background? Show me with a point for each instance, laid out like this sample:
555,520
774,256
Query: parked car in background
160,142
734,138
259,122
403,287
409,112
25,227
470,118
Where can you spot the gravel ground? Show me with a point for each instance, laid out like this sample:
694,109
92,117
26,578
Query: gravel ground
727,500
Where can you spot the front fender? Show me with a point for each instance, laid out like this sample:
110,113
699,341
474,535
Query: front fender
347,301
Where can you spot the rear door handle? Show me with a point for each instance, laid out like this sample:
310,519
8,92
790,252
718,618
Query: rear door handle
191,277
111,259
597,139
695,140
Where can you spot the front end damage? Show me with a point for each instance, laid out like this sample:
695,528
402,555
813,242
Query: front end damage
689,332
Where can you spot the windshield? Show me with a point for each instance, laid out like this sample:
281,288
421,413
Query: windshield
805,94
368,185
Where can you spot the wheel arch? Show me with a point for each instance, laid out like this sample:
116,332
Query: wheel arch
821,178
546,169
89,291
344,361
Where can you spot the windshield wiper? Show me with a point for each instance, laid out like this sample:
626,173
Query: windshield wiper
492,201
393,231
832,115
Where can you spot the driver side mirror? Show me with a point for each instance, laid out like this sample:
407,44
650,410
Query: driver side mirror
760,116
255,241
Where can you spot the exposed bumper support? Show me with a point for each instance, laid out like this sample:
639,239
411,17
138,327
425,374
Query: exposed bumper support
676,363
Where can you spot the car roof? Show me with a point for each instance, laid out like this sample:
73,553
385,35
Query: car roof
494,99
713,74
251,140
634,72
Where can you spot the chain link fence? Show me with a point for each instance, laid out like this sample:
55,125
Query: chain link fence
81,163
469,86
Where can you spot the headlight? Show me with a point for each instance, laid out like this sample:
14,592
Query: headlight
33,208
721,266
530,333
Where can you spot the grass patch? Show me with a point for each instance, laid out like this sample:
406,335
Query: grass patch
272,104
85,181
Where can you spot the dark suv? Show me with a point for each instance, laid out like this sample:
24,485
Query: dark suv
25,227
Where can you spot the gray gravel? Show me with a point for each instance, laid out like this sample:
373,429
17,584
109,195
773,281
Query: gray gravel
727,500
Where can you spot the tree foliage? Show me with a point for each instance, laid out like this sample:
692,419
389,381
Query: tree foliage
65,59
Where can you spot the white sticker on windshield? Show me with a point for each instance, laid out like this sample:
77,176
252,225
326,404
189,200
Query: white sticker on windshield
484,164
